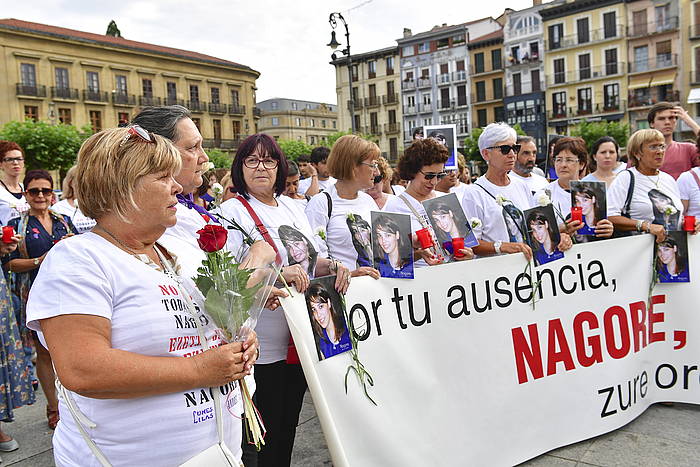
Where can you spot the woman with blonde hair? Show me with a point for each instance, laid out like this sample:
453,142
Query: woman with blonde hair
68,206
379,192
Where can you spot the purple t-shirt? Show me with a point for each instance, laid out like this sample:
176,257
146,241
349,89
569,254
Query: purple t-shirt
680,157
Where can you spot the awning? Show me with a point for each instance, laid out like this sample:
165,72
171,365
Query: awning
637,82
694,96
667,77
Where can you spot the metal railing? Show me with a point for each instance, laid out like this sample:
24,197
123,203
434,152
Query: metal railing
119,98
583,74
390,128
459,76
64,93
524,88
474,71
425,107
489,96
653,97
217,108
613,105
596,35
355,105
660,61
150,101
235,109
424,82
694,31
410,109
655,27
174,101
31,90
257,112
390,98
196,106
372,101
408,84
95,96
443,78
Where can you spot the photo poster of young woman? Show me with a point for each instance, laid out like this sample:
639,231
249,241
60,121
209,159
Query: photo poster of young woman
447,136
360,233
665,212
299,248
543,234
391,245
590,197
327,317
672,257
447,217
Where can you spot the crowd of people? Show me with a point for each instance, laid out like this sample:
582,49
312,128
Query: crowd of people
98,285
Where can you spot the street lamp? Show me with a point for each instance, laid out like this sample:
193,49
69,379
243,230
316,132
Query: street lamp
334,44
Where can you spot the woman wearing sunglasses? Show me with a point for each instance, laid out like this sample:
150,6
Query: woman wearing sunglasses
378,192
423,164
41,230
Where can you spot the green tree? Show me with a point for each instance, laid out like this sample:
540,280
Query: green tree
113,30
591,131
220,159
49,147
293,148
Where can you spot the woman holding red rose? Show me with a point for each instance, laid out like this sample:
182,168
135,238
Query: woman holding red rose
259,173
115,313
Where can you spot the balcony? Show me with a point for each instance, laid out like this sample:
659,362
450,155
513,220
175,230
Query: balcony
656,27
223,143
217,108
408,84
372,130
410,109
424,82
443,79
257,113
597,35
390,99
33,91
196,106
120,98
524,88
694,31
149,101
355,105
486,98
391,128
235,109
372,101
525,31
527,59
585,74
446,104
473,71
657,63
615,105
653,96
69,94
95,96
425,108
459,76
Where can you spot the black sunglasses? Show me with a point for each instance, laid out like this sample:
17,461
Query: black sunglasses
432,175
43,191
506,148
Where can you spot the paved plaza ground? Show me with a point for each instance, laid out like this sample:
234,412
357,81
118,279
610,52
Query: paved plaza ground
662,436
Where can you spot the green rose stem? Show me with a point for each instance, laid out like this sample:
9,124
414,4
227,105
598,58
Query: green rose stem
357,366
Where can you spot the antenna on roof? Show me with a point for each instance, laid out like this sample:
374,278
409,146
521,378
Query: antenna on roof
113,30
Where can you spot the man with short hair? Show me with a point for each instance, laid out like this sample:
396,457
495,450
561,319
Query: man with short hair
525,165
678,157
320,179
305,168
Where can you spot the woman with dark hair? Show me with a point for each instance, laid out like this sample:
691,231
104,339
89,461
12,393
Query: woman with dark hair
41,230
447,224
395,260
604,161
292,185
300,250
12,200
670,263
331,333
543,235
259,174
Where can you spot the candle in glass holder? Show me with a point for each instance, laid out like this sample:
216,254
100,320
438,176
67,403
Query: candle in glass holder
457,246
689,223
424,238
577,213
7,233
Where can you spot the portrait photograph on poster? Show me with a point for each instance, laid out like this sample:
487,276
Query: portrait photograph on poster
327,316
392,250
449,222
590,197
543,234
361,235
447,136
672,257
299,248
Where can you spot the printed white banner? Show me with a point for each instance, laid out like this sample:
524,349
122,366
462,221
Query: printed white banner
466,372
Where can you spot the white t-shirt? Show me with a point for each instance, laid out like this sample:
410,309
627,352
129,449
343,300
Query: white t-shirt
323,185
662,188
11,207
482,205
534,182
398,189
80,220
288,215
459,190
88,275
345,213
181,239
689,190
561,200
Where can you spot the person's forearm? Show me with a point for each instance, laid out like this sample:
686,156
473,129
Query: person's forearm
313,187
623,224
691,123
22,264
323,267
484,249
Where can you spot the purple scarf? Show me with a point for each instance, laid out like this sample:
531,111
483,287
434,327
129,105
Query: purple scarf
188,201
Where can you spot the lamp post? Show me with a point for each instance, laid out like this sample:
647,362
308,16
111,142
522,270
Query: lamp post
334,44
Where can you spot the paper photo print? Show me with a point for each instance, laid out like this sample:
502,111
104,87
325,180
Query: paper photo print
665,213
447,217
327,317
590,197
392,250
299,248
543,234
672,258
515,222
447,136
361,235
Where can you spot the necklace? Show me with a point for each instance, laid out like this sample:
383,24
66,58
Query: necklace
121,244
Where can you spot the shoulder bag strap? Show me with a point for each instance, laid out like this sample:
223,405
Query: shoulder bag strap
260,226
695,176
330,206
415,213
628,199
515,221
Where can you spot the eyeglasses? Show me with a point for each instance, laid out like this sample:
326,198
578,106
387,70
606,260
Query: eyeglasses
565,161
12,160
432,175
653,147
139,132
507,148
374,165
254,162
378,178
37,191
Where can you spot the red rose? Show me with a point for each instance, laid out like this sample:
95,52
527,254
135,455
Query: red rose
212,238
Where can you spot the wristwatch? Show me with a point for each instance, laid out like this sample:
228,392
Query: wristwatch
497,247
36,261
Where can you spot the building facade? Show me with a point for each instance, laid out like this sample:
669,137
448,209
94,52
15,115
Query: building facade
486,75
66,76
585,62
523,43
689,22
292,119
373,100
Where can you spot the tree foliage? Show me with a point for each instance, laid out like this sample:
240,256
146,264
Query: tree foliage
220,159
591,131
46,146
113,30
293,148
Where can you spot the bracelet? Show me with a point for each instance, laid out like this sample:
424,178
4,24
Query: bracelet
640,224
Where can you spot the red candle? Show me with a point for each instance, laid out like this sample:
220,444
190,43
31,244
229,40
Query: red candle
7,233
689,223
457,246
576,213
424,237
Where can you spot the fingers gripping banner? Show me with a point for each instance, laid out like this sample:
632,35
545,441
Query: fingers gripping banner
467,372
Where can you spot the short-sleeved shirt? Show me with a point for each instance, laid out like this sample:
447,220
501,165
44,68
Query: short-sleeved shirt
690,190
323,185
11,204
534,182
678,158
81,222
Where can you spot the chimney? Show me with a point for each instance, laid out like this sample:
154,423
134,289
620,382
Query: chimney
536,2
407,32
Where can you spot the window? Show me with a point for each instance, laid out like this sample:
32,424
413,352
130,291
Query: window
198,123
390,65
236,127
357,122
93,81
460,39
312,140
390,91
498,89
62,78
297,121
393,148
31,112
496,61
582,30
147,87
461,95
274,105
479,62
459,64
123,118
499,114
480,91
641,58
374,123
426,98
585,104
445,98
609,26
534,51
663,17
295,106
611,96
275,121
559,104
216,126
535,80
611,62
355,73
517,85
372,69
584,66
410,101
64,116
194,93
663,54
639,22
514,55
120,84
334,123
323,124
28,74
234,99
556,32
559,73
425,73
423,47
481,118
215,96
392,116
443,43
407,51
171,92
312,123
96,120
